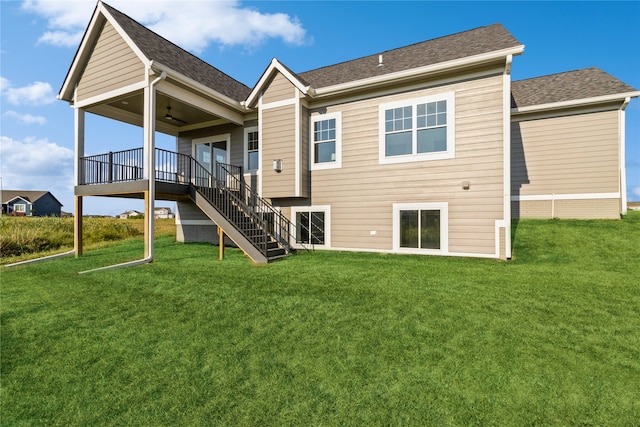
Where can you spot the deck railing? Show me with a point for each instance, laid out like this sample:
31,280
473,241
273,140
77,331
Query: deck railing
118,166
127,165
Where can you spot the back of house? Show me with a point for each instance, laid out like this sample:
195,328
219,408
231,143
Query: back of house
425,149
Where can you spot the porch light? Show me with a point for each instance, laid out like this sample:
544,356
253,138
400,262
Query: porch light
277,165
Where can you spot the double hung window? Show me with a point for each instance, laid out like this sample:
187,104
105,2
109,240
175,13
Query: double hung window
326,141
417,129
252,149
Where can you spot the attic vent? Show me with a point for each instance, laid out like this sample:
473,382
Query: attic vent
380,63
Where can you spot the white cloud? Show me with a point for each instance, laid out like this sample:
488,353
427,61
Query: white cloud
193,25
37,93
61,38
4,84
35,164
636,191
26,119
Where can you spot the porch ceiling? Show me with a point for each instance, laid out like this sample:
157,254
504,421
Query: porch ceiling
183,116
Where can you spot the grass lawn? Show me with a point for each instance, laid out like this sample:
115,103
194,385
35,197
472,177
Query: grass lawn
327,338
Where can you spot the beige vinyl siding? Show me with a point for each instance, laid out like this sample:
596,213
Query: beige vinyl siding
575,209
113,65
566,155
278,142
362,193
279,89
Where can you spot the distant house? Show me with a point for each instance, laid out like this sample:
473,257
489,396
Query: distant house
129,214
163,213
30,203
633,206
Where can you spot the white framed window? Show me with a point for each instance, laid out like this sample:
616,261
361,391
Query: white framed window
312,225
251,149
421,228
417,129
20,207
326,141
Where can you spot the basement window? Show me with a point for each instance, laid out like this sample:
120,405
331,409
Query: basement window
420,228
312,225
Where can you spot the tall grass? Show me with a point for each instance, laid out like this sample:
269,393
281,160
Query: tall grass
26,236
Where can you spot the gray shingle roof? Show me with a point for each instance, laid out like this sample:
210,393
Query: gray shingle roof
571,85
30,195
461,45
157,48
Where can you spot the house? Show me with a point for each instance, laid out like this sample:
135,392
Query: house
130,214
633,206
163,213
425,149
30,203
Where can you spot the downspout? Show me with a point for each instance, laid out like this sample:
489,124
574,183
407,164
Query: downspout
623,169
506,123
151,164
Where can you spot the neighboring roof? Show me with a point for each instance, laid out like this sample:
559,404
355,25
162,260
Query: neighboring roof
456,46
30,196
157,48
131,213
572,85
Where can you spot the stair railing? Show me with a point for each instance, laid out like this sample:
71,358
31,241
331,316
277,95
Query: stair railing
231,178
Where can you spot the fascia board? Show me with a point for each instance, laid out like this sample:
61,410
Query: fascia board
414,72
198,87
274,66
574,103
90,35
16,198
67,90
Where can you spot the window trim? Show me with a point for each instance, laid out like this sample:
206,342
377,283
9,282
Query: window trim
415,156
22,206
247,131
326,209
337,163
443,207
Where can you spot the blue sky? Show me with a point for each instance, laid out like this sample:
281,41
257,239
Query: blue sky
39,39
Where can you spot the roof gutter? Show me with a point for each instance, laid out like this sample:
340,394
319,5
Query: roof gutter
415,72
575,102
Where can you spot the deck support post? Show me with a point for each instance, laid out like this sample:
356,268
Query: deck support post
148,226
149,159
220,243
77,227
78,142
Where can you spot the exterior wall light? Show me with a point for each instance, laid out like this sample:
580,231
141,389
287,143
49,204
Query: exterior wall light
277,165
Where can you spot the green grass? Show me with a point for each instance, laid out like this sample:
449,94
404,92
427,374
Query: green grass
328,338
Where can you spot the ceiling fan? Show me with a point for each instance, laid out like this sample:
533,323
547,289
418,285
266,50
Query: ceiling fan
169,116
